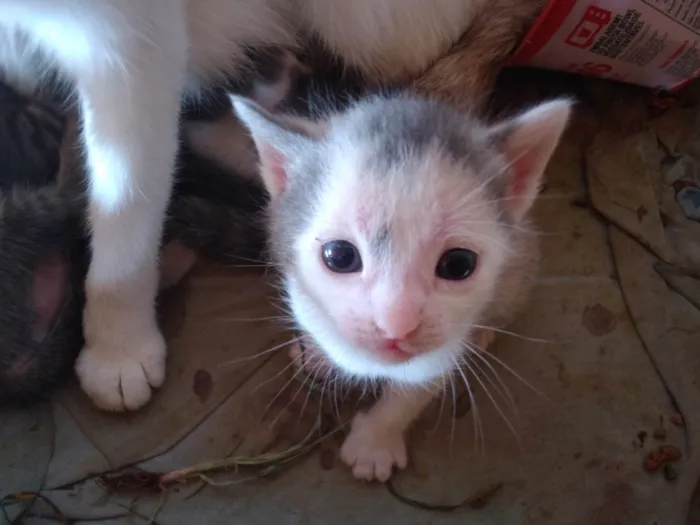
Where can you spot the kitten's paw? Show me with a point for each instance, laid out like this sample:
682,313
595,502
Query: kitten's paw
119,375
372,450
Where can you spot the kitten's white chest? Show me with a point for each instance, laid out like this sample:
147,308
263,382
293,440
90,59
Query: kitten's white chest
390,38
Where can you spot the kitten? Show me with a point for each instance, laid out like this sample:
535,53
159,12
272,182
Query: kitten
42,266
397,227
131,61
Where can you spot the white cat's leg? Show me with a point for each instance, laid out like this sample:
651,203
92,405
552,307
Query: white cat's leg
128,61
130,124
377,438
376,442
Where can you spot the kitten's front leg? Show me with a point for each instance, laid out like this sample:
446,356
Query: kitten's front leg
377,438
130,107
376,442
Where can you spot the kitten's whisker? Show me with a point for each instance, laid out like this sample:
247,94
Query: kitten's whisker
498,360
507,332
280,305
479,189
364,385
493,400
299,371
478,431
255,261
443,390
454,411
303,376
309,386
478,352
324,390
491,240
291,363
334,386
501,389
279,393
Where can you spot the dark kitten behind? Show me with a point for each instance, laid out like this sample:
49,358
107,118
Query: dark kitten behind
31,131
42,264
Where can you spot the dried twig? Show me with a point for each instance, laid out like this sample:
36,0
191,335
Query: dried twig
265,464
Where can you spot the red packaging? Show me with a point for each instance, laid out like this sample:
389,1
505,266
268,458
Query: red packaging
654,43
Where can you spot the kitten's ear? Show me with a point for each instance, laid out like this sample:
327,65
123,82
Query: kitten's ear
279,139
528,142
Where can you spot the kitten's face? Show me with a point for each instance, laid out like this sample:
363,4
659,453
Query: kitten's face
397,265
392,224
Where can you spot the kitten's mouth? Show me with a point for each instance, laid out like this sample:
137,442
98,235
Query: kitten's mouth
393,351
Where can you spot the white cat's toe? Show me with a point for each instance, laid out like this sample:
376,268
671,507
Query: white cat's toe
121,376
372,451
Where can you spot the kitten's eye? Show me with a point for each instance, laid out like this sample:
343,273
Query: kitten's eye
341,257
456,264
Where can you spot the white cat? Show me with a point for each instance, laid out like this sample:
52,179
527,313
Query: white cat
132,60
397,227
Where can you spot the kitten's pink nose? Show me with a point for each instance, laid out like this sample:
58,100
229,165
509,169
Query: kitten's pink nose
400,324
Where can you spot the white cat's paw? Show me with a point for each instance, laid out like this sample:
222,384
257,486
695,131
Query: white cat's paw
373,450
119,376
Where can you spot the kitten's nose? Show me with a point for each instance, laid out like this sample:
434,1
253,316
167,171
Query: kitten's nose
400,324
398,313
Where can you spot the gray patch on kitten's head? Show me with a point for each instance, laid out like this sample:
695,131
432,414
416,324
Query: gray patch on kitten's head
390,132
399,126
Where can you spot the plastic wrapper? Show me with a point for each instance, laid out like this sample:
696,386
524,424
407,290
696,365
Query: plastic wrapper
653,43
